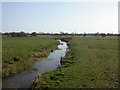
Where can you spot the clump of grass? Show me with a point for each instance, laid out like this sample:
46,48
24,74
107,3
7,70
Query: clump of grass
16,58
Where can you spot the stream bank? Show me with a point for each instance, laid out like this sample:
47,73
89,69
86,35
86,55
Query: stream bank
20,53
96,67
25,79
54,78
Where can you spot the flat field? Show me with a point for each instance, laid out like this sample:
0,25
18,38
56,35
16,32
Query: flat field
19,53
91,63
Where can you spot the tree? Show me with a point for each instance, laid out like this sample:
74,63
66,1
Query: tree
13,34
20,34
33,33
103,35
61,33
84,34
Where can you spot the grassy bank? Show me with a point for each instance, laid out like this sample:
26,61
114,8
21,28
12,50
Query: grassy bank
91,63
19,53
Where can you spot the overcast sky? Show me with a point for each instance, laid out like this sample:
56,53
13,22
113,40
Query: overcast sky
89,17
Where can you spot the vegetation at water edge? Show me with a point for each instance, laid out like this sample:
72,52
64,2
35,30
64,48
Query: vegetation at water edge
91,63
20,53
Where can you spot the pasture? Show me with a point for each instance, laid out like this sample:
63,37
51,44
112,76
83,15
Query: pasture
91,63
20,53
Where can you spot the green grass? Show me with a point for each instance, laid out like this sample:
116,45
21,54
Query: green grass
26,50
91,63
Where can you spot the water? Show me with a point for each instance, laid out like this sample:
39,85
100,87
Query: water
52,62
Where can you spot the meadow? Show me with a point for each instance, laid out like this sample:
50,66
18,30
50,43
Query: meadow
92,62
20,53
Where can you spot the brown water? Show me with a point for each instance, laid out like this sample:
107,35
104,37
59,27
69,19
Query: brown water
52,62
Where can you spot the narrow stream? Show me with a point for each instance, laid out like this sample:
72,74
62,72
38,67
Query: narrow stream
52,62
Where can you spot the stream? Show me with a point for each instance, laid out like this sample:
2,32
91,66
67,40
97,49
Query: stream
24,79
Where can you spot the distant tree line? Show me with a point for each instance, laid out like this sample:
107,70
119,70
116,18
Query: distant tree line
20,34
23,34
77,34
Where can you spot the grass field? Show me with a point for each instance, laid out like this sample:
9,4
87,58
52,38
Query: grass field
91,63
19,53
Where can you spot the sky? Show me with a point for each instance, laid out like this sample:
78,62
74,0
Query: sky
54,17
